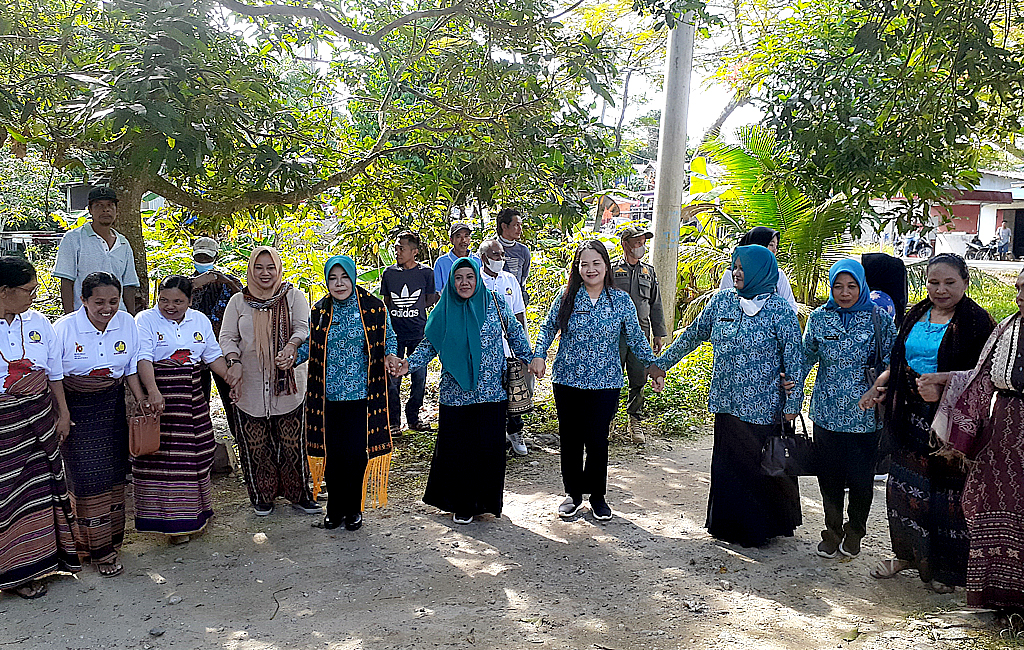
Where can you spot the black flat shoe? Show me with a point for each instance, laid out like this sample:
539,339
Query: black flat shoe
353,522
326,524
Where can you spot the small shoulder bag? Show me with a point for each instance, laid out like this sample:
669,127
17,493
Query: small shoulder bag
516,383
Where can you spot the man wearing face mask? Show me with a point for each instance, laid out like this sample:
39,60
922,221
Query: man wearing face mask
211,291
640,282
492,255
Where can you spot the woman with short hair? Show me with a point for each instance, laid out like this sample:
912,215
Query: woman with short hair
36,518
944,332
100,348
262,330
172,489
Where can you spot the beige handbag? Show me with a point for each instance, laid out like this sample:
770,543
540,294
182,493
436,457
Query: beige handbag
515,381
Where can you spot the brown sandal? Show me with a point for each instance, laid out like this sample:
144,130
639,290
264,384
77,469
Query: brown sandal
29,590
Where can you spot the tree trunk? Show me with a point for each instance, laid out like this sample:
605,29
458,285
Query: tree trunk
130,190
738,99
622,113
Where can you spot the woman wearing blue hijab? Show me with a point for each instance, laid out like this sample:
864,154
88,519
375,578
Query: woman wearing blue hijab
351,346
841,338
756,338
465,331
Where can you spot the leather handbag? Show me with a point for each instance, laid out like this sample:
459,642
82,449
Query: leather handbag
143,434
790,453
515,381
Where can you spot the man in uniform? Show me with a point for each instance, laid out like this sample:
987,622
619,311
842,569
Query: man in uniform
639,281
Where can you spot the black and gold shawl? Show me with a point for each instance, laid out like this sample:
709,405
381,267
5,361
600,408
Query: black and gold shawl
378,435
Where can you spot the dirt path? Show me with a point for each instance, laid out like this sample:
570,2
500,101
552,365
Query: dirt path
650,578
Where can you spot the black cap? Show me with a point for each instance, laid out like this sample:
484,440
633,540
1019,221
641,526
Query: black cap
102,193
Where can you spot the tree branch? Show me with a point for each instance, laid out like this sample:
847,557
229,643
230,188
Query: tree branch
224,207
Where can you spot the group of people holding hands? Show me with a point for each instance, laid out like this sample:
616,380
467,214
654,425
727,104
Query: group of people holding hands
311,397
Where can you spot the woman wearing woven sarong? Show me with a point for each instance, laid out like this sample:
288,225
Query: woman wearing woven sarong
944,332
172,487
100,346
589,317
351,345
464,330
36,518
263,327
992,435
756,339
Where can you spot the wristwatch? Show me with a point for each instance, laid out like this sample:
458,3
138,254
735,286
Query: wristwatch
232,362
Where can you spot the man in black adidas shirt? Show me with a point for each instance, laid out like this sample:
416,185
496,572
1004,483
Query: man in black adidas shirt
407,288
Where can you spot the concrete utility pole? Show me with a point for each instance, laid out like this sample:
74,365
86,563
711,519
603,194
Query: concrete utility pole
671,172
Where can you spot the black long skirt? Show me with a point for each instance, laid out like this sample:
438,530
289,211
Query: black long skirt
467,473
744,506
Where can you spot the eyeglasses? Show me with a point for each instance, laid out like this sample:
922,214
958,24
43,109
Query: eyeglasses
33,292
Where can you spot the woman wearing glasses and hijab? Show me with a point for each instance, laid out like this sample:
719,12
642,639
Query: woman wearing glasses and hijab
770,239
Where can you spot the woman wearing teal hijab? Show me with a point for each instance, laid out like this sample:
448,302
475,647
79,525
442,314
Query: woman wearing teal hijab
464,330
756,338
350,349
841,339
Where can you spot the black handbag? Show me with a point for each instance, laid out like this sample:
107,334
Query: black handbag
877,365
790,453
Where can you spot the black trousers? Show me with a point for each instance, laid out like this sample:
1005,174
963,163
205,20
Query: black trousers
846,460
416,391
345,439
583,420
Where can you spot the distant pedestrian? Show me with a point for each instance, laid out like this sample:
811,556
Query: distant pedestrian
509,228
407,288
640,281
96,246
1003,234
460,234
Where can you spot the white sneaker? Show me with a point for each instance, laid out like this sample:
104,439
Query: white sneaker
518,446
881,478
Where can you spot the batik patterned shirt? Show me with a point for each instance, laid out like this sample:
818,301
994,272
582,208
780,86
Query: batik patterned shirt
842,354
347,363
588,354
750,352
492,359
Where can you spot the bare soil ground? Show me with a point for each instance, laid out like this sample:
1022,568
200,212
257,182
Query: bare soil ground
650,578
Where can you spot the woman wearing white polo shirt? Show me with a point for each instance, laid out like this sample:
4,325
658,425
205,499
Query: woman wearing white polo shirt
172,486
36,538
100,347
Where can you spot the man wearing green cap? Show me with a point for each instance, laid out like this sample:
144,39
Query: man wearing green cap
641,283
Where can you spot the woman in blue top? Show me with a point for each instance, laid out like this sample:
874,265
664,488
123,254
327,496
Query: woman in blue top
465,330
756,339
944,332
841,338
591,314
350,349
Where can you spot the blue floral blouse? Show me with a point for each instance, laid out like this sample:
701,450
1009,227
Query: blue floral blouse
588,355
750,352
923,345
346,366
492,360
842,354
